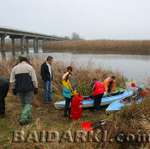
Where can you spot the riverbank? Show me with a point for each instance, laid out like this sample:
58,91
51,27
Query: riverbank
141,47
123,47
78,75
46,117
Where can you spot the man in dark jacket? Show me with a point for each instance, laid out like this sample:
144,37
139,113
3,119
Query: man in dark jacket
47,77
24,84
4,87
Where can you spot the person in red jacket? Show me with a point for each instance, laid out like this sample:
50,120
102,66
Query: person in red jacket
98,92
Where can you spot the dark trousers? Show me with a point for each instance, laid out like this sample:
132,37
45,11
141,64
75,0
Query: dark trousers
3,93
67,106
97,101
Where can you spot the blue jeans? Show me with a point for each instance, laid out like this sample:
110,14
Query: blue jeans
47,91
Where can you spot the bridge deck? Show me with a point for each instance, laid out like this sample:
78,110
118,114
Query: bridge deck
19,33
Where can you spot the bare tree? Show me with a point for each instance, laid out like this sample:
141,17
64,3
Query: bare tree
75,36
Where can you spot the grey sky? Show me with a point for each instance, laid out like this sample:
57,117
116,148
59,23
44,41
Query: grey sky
92,19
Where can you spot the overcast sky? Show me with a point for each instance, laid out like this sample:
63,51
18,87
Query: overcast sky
92,19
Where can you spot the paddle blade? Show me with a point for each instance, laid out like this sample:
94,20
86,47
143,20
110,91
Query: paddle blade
86,126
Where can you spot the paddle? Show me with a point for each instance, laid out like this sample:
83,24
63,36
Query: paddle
89,126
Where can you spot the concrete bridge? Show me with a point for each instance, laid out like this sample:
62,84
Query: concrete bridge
24,37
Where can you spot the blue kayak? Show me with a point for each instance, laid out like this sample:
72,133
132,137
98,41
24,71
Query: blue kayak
106,100
119,104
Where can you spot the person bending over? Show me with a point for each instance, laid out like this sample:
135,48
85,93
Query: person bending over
110,84
98,92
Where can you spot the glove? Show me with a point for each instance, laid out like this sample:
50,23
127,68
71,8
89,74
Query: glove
35,90
14,92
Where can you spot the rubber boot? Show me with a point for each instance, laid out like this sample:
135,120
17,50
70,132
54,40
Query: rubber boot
26,115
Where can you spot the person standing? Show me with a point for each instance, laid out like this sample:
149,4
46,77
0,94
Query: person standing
24,84
98,92
4,87
67,90
47,77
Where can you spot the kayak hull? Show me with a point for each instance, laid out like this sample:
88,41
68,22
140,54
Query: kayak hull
106,100
120,104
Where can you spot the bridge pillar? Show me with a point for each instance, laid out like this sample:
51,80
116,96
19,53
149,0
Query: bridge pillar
22,45
43,44
27,45
3,54
13,47
36,45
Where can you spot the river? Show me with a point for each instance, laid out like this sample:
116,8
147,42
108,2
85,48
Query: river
134,67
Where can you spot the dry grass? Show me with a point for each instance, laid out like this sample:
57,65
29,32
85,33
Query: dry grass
79,74
137,47
101,46
45,117
134,120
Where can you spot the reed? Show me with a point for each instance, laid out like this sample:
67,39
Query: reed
78,78
139,47
46,117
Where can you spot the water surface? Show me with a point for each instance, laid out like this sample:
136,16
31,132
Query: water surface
134,67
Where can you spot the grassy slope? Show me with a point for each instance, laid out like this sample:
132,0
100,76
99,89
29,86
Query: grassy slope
47,118
44,118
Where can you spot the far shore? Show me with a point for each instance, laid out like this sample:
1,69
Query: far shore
124,47
141,47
